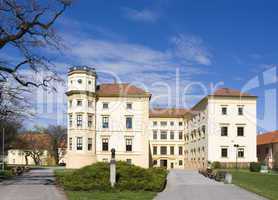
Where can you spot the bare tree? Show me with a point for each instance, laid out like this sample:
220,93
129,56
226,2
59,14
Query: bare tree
57,141
27,28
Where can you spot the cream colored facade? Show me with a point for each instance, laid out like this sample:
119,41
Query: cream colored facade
166,137
98,122
221,128
103,117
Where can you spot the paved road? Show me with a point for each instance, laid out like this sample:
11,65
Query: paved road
37,184
190,185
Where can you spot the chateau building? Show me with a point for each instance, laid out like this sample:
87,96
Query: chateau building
221,127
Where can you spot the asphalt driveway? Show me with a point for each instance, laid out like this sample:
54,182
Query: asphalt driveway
37,184
190,185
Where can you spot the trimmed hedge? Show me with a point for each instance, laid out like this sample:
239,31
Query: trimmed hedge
255,167
216,165
129,177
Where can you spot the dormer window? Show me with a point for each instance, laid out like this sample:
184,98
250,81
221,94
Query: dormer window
79,81
89,82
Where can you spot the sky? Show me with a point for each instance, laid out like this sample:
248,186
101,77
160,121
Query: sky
179,50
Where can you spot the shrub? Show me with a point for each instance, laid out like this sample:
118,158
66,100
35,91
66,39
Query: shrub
255,167
216,165
6,174
128,177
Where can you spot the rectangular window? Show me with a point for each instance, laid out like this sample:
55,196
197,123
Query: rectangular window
79,120
163,150
79,102
70,143
240,110
180,162
128,122
240,131
224,110
155,162
129,106
90,144
240,153
224,152
172,135
172,123
180,135
104,144
105,105
128,146
105,122
154,123
154,150
155,135
172,150
180,123
79,143
163,135
224,131
90,104
70,103
180,150
90,120
163,123
70,120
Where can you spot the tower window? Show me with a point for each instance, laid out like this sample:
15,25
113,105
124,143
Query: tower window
79,81
90,120
70,120
89,82
79,143
79,120
79,102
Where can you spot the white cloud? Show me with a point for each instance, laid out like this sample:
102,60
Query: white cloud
191,49
145,15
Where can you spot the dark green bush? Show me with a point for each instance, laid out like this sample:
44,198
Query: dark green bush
129,177
6,174
255,167
216,165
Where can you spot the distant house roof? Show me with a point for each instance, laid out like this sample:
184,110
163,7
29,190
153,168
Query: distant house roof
230,92
267,138
168,112
120,89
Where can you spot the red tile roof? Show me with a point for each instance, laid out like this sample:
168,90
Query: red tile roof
230,92
120,89
267,138
168,112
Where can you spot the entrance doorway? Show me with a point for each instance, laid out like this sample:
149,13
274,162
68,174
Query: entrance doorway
163,163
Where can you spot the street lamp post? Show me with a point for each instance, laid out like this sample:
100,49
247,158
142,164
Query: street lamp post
236,146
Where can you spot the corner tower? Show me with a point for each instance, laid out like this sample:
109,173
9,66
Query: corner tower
81,116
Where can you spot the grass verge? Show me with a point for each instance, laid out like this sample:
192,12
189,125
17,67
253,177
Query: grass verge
263,184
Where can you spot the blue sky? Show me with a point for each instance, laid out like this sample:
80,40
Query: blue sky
220,43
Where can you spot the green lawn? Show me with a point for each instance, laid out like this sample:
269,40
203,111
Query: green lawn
263,184
123,195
